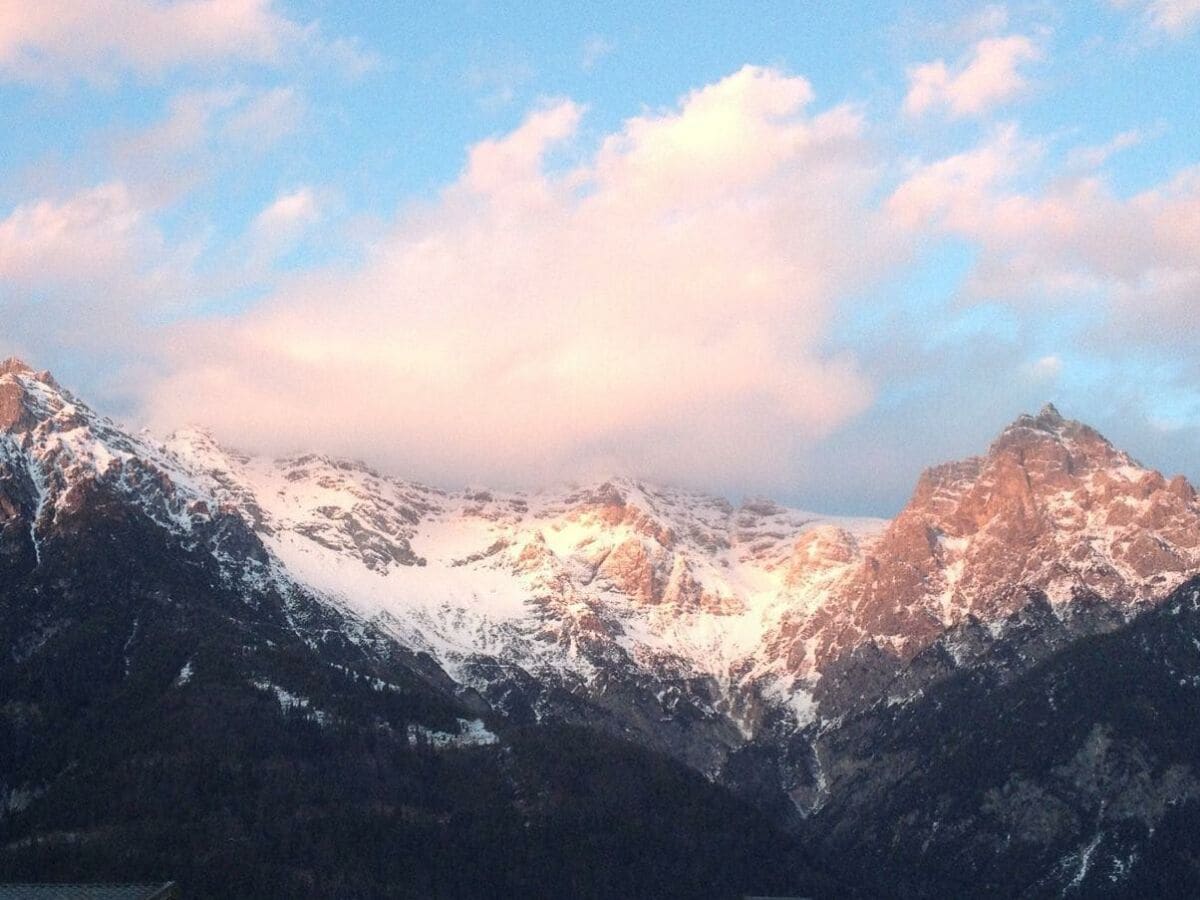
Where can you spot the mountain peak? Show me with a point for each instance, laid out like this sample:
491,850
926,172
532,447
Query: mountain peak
1051,427
1048,418
1049,413
15,366
27,396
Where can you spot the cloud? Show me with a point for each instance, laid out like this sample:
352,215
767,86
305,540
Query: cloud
1134,261
87,272
595,48
512,165
496,80
988,78
1094,157
661,306
278,227
953,193
1174,18
90,236
1047,368
201,132
991,19
267,117
62,40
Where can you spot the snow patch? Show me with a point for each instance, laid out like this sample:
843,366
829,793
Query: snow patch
185,674
471,733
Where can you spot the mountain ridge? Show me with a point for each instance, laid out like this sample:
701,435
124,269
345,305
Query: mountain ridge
756,596
770,649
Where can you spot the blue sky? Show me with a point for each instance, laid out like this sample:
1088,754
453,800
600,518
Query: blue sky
786,248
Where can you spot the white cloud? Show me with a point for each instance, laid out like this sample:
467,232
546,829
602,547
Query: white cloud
953,193
1047,368
496,80
988,78
201,132
661,307
1096,156
991,19
57,40
186,124
1174,16
267,117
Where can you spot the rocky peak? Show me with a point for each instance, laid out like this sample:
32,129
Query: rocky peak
14,366
1044,477
1050,415
1056,445
1034,457
1052,507
63,449
26,396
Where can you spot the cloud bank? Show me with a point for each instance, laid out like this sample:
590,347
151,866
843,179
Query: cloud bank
659,303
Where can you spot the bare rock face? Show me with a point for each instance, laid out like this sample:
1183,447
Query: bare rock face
631,568
15,412
1052,507
820,549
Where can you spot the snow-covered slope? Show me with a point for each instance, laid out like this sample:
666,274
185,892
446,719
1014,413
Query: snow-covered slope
560,583
758,598
57,446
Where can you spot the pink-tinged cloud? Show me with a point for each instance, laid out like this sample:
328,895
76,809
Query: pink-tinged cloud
1174,16
1095,156
202,133
87,272
57,40
278,227
989,77
1135,260
91,236
660,306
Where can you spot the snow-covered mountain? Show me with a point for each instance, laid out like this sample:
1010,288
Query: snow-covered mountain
561,583
752,601
756,599
755,643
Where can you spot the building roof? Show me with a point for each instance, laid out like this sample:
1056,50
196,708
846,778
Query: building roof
164,891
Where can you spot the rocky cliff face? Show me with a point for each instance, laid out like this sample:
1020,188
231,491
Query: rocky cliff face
1074,773
1052,507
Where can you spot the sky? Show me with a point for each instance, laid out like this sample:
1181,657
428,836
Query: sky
800,250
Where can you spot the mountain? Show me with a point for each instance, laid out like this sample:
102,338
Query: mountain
171,701
1078,775
308,640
